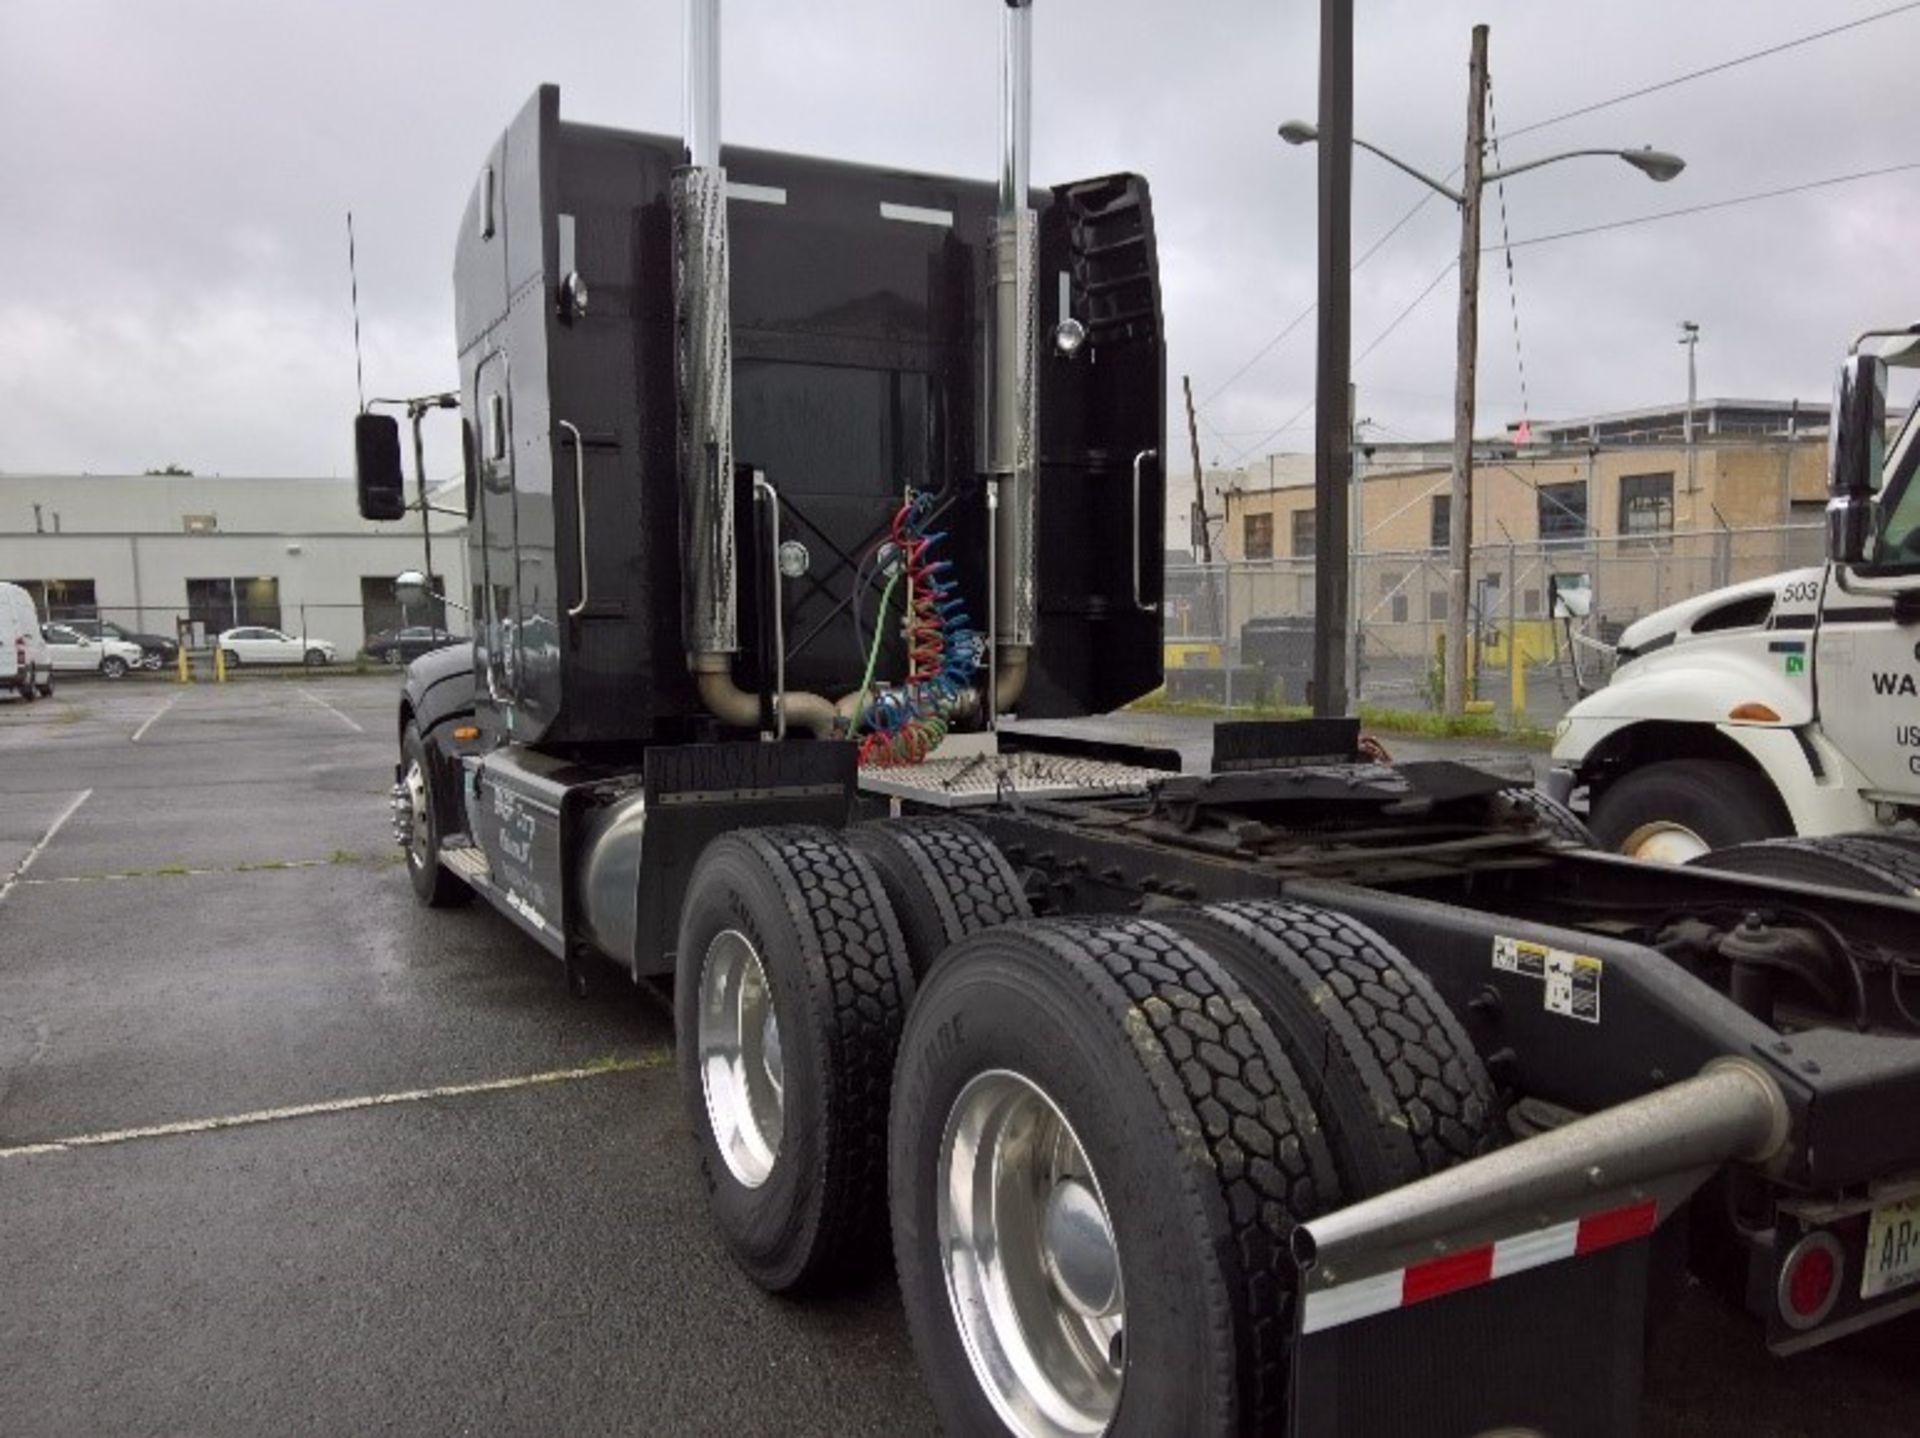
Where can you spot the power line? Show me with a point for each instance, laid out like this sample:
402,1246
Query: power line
1301,318
1358,359
1506,246
1714,205
1715,69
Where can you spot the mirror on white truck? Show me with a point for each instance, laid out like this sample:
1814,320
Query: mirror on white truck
1856,450
1570,596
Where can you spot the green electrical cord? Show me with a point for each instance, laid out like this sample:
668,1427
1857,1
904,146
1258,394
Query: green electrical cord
873,652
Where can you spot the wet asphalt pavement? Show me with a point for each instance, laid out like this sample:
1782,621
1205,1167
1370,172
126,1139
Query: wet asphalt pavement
219,927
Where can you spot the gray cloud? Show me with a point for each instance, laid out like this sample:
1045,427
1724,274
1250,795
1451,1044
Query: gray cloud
177,178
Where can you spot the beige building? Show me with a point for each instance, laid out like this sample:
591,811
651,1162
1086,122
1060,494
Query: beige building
1620,497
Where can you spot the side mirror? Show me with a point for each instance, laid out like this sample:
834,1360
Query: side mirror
376,467
1570,596
1857,444
410,588
1849,528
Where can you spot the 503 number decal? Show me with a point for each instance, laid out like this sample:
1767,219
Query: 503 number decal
1804,591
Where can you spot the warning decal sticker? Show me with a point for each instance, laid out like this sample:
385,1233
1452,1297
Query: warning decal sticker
1571,982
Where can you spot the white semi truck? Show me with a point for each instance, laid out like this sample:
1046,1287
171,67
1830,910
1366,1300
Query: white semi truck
1788,705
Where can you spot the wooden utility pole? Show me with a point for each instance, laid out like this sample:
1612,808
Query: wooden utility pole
1332,452
1466,362
1202,535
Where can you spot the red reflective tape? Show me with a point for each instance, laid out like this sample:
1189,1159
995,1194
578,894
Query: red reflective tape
1447,1275
1617,1225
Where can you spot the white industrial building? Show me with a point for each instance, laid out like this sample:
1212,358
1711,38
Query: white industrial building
167,554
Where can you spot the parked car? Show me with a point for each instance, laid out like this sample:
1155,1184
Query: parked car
403,646
256,644
72,652
156,650
26,668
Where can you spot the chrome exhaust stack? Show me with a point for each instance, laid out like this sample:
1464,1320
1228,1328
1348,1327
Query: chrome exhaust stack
703,381
1012,414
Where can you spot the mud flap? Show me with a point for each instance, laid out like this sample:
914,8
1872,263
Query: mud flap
1557,1349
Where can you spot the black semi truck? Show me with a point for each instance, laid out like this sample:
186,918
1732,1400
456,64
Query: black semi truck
1309,1094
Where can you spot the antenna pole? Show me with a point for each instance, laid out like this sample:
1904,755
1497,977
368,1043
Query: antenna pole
353,275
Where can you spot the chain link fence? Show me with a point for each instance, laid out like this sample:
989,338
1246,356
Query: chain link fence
1240,633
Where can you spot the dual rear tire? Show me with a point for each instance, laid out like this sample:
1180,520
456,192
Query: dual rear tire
1090,1137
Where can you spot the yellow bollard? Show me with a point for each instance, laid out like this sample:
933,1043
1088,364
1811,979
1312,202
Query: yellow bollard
183,665
1517,690
219,665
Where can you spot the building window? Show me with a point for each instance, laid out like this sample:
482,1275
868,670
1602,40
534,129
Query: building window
220,604
1399,607
1440,525
1257,536
1437,606
61,598
1646,503
1563,510
1530,603
1303,521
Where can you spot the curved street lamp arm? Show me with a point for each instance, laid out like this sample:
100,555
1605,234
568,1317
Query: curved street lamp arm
1423,178
1511,170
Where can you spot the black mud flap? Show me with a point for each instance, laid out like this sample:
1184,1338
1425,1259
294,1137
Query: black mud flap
1552,1350
696,792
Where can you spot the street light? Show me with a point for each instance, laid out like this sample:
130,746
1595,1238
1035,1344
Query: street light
1654,164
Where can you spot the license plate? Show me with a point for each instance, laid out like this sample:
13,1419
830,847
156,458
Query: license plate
1893,1248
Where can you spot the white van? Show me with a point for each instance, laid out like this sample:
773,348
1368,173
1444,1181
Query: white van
26,668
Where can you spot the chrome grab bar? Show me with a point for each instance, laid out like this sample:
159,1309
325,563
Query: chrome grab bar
1139,462
580,516
763,490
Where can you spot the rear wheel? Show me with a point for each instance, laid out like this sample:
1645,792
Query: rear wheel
1389,1069
945,879
27,686
315,658
1865,863
416,824
232,659
113,667
790,993
1098,1154
1546,812
1675,811
390,656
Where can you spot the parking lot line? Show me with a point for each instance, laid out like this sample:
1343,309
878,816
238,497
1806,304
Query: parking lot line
21,868
346,719
151,718
654,1058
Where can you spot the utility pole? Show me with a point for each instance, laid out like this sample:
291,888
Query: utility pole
1690,337
1332,453
1356,543
1202,535
1460,510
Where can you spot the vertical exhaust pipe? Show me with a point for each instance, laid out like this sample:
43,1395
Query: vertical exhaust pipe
1012,395
703,379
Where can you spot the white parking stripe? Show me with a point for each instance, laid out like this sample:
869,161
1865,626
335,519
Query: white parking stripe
154,716
346,719
45,839
653,1059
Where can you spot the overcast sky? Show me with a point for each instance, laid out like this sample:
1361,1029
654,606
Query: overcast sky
176,175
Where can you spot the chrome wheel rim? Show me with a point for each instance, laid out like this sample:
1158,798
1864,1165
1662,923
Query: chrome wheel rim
742,1062
410,815
1032,1266
1663,841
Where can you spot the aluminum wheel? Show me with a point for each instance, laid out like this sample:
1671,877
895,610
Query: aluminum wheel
410,819
1664,842
742,1069
1032,1267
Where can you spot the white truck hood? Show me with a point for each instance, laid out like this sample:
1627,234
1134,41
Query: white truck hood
1675,623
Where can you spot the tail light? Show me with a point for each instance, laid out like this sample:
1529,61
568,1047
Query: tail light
1810,1280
